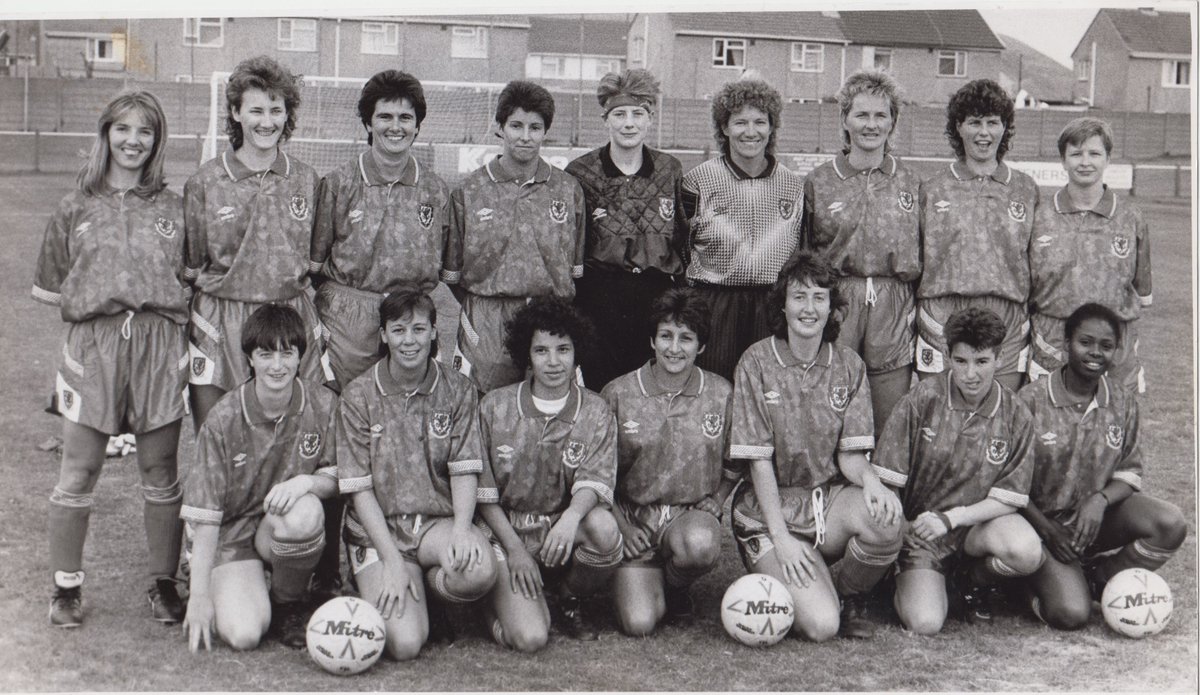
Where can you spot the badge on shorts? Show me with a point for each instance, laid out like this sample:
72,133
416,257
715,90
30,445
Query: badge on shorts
772,397
927,356
558,211
906,201
356,216
425,215
1114,437
310,444
1120,246
712,425
439,425
165,228
68,399
997,451
1016,210
298,206
198,366
839,396
666,208
786,208
572,456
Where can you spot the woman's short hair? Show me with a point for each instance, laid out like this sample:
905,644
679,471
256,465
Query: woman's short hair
91,179
266,75
527,96
873,82
1079,130
555,316
390,85
805,267
737,95
1094,311
979,328
634,85
684,306
980,98
273,327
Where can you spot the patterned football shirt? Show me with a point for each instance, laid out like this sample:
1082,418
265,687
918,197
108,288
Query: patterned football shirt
742,228
405,446
511,238
976,232
634,222
241,453
537,461
866,222
943,454
800,415
670,445
104,255
1081,256
373,233
249,234
1077,452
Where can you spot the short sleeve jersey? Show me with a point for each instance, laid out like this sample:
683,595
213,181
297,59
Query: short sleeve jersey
373,233
800,415
670,445
865,221
976,232
241,453
513,238
742,228
406,445
540,461
634,222
1099,255
249,234
103,255
1077,452
943,454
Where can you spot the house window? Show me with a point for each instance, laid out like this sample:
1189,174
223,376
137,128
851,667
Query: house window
184,79
883,59
808,57
204,32
297,34
381,38
602,66
952,64
1176,73
1083,70
638,53
729,53
468,42
105,51
553,67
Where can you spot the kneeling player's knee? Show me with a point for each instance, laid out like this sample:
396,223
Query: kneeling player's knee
404,646
1169,527
1022,552
305,519
1064,615
699,546
637,622
526,638
241,636
479,579
921,622
600,529
817,624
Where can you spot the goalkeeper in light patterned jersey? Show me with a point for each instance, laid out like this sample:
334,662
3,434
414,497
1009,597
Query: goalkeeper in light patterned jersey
517,232
860,210
802,419
673,432
1089,245
1086,498
249,232
976,227
382,220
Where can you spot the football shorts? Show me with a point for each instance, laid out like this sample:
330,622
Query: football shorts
655,520
878,321
408,530
933,555
803,510
932,354
351,320
479,350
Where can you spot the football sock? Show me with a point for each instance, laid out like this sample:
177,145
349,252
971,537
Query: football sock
164,528
591,569
1136,554
68,521
329,567
864,564
437,580
989,570
292,566
680,577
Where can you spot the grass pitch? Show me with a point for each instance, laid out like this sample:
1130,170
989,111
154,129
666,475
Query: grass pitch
119,648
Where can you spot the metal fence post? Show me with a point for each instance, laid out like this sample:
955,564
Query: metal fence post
37,151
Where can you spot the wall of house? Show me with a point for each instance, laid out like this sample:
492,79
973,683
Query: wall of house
916,71
1146,74
1112,65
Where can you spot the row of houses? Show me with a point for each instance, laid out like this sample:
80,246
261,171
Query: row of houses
1129,59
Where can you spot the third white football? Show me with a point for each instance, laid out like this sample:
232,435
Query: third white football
757,610
1137,603
345,635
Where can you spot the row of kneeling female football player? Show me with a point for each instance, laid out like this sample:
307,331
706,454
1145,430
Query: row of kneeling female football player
209,296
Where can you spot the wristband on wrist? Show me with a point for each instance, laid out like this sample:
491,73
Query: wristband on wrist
1107,501
945,520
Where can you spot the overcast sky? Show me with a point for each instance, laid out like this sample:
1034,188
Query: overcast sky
1053,32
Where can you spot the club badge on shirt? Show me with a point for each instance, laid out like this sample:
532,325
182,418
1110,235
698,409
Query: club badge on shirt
558,211
712,425
666,209
165,227
298,206
905,199
439,425
1114,437
997,451
1120,246
310,444
425,215
572,456
786,208
1016,210
839,397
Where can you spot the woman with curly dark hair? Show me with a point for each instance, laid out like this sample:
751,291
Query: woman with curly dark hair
976,223
744,211
802,420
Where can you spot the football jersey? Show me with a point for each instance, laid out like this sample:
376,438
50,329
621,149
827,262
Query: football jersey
943,454
865,221
406,445
742,228
241,453
1076,453
372,233
800,415
976,232
107,254
249,234
1080,256
511,238
634,222
537,461
670,445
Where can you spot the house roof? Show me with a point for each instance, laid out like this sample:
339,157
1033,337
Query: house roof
1150,31
926,28
600,37
818,26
